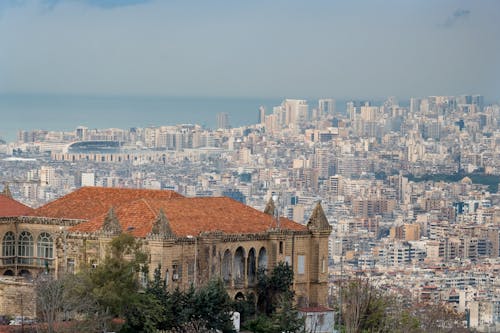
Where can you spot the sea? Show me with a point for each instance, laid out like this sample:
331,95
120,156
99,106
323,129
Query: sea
66,112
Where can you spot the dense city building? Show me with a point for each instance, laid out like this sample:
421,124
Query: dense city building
410,190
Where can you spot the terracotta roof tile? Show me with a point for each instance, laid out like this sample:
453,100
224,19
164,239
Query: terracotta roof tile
190,216
11,207
88,202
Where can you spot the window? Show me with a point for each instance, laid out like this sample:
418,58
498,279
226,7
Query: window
44,248
70,265
239,265
143,276
167,276
25,248
281,247
190,271
9,248
301,263
176,272
262,260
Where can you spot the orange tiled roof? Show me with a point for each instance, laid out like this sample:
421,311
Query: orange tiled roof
190,216
88,202
11,207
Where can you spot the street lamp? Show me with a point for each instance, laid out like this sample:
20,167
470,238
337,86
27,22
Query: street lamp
195,256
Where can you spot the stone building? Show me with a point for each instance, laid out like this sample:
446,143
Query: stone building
193,239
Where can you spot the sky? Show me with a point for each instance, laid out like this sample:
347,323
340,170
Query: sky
258,48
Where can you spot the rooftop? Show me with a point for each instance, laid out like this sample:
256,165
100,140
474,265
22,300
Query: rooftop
191,216
11,207
137,210
89,202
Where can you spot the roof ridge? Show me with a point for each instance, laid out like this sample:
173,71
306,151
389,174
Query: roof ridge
149,206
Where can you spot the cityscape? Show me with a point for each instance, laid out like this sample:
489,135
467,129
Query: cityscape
218,167
411,192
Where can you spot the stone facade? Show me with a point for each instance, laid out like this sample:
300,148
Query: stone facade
53,245
17,297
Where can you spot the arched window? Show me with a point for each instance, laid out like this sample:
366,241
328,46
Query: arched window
9,248
251,269
25,248
262,258
44,248
226,267
239,265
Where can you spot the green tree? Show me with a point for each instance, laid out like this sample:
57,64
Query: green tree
260,324
287,318
115,287
144,315
272,288
157,288
276,302
115,282
246,307
214,305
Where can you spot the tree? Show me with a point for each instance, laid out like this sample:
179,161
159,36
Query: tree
272,288
194,326
364,307
194,310
276,302
261,324
287,318
370,309
143,315
214,306
157,288
439,318
49,299
63,299
246,307
115,288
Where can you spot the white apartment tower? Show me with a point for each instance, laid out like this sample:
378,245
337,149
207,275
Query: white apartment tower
47,176
326,106
88,179
222,120
296,111
262,115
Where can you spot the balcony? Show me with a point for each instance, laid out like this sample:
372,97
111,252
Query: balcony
29,262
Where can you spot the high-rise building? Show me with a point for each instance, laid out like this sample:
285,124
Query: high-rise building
262,115
222,120
47,176
81,133
326,106
296,111
322,162
414,105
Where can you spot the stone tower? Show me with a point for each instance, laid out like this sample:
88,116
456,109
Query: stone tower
320,229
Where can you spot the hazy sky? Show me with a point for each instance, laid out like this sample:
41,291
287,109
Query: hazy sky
337,48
